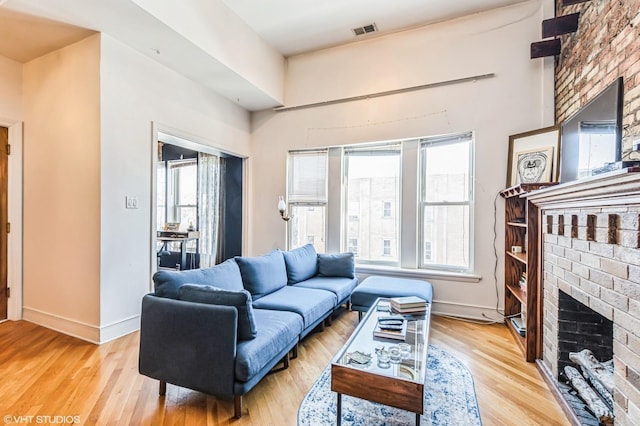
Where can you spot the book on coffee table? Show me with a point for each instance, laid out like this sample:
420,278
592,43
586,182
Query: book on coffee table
408,304
392,329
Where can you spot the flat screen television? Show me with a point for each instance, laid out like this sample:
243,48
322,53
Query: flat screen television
592,137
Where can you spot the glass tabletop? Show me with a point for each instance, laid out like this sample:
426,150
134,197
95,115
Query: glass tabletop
386,356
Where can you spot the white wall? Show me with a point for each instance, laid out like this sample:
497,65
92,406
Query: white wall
511,102
89,113
62,189
10,89
135,93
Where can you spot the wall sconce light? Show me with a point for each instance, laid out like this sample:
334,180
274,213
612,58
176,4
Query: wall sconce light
282,208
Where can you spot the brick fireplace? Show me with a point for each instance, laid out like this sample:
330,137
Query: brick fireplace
591,259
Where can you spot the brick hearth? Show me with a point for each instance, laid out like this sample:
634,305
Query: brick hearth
591,240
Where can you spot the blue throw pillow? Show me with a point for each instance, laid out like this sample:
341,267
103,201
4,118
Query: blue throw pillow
262,275
301,263
225,275
337,265
241,300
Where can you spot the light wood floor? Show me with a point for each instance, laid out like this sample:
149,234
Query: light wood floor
44,373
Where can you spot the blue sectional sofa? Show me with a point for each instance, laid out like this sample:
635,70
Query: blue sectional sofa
220,330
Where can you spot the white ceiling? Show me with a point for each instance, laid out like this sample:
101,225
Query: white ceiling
32,28
25,37
297,26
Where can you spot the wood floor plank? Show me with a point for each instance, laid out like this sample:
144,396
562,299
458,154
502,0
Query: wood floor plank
46,373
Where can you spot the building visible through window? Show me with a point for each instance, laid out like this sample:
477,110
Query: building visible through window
366,212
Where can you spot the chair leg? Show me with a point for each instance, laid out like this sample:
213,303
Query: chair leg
163,388
294,352
237,406
359,316
330,320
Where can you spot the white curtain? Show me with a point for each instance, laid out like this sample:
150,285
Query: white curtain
209,207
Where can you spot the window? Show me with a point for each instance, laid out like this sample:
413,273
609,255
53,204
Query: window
372,177
182,192
446,202
307,197
364,193
353,246
386,209
386,247
427,250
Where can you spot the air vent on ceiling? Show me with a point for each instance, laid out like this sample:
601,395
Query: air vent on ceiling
365,30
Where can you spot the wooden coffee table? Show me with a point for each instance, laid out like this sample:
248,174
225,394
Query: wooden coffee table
399,385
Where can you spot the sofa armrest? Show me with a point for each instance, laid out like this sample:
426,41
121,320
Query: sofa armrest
188,344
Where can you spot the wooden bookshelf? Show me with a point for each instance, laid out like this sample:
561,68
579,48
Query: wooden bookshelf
522,229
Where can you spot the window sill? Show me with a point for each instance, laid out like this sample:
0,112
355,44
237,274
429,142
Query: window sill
418,273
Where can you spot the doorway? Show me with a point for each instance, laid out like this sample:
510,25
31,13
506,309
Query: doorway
199,204
4,210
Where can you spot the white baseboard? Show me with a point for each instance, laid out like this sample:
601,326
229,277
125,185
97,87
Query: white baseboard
119,328
87,332
476,312
71,327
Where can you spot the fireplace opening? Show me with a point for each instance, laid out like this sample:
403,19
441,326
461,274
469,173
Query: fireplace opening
585,366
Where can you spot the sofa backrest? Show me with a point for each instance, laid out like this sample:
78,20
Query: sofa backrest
262,275
301,263
337,265
225,275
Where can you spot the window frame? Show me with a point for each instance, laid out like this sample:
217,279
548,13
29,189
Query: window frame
174,172
306,202
422,203
374,149
409,213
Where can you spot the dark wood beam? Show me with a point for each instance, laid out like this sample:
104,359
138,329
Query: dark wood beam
544,48
560,25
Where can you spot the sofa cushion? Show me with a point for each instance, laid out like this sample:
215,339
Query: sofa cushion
225,275
301,263
264,274
276,330
241,300
311,304
342,287
373,287
336,265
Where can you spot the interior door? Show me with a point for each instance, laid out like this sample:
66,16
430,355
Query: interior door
4,187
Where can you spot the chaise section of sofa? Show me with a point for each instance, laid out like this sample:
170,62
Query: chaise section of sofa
220,330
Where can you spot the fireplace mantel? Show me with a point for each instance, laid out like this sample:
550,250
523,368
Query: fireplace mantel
590,250
613,188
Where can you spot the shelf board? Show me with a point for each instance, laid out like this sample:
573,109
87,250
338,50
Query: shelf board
520,340
518,293
518,224
524,188
521,257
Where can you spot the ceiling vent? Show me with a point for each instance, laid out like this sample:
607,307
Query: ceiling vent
371,28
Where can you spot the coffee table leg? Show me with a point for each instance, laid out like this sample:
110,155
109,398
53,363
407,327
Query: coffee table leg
417,419
339,409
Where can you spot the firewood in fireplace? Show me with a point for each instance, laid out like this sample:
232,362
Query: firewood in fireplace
589,396
586,360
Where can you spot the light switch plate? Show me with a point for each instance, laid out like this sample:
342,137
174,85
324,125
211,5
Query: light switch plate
132,202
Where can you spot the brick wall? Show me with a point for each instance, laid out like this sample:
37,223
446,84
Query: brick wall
593,255
606,46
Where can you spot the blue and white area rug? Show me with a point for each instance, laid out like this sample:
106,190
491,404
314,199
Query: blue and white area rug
449,399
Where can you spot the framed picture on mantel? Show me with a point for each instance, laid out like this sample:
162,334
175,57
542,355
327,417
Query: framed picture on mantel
534,156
